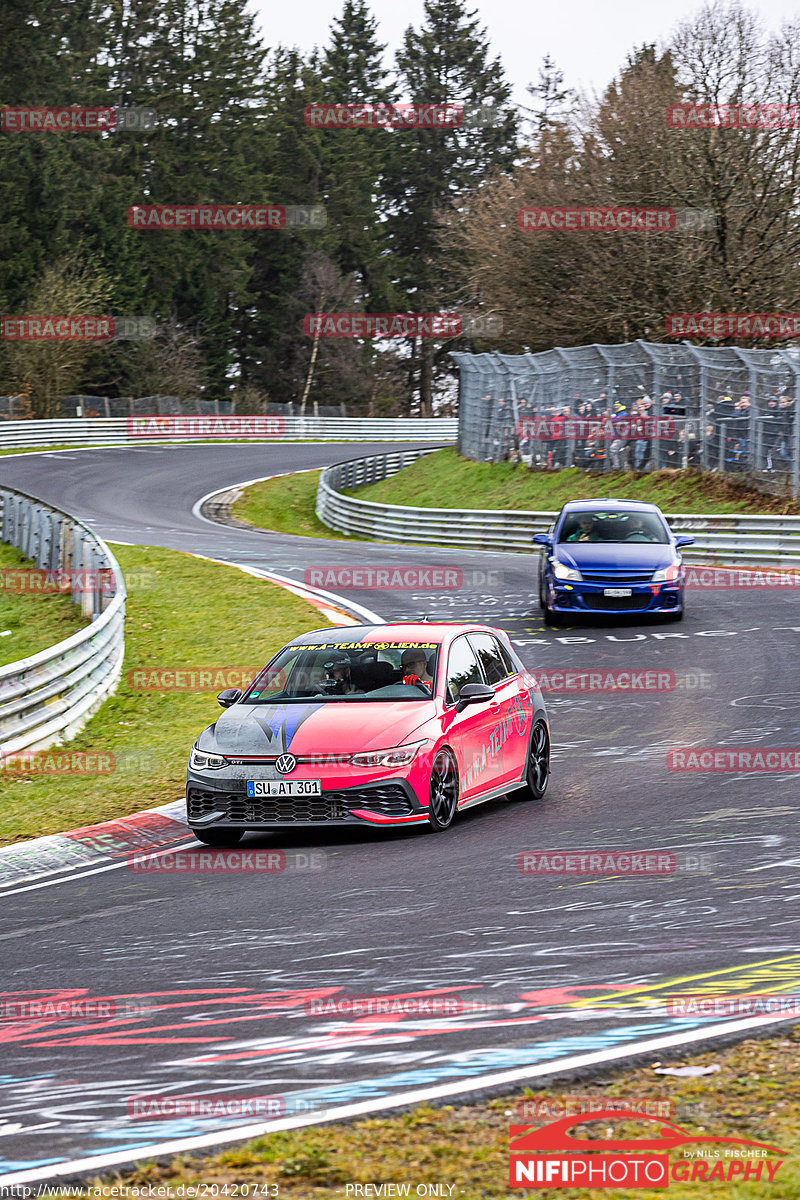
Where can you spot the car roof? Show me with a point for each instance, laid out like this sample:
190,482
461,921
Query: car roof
418,631
612,502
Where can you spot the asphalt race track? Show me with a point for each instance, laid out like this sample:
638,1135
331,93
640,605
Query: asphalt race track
558,970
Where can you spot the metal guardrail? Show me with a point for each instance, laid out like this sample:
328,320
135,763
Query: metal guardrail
723,538
98,431
46,698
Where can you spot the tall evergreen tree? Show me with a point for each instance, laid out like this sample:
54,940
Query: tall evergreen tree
354,160
446,61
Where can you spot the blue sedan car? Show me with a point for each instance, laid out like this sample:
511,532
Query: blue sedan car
611,556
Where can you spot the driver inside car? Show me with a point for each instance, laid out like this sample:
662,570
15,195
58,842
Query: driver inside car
415,669
638,531
338,677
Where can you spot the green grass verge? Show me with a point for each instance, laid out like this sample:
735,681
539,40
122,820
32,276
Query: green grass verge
32,621
755,1095
445,480
36,449
286,505
182,613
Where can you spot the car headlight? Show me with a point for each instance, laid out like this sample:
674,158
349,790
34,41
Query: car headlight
562,572
667,574
396,756
199,760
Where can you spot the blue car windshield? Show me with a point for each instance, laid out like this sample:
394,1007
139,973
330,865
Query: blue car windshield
589,525
347,672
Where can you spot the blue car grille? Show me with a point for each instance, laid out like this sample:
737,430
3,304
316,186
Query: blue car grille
612,603
615,578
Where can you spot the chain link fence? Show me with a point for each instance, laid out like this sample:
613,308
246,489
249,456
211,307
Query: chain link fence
639,406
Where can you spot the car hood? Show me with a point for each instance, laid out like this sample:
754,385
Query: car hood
615,556
330,727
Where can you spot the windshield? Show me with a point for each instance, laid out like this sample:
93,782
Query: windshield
591,526
347,671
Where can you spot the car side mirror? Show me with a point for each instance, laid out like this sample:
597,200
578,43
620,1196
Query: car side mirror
228,697
683,540
473,693
543,539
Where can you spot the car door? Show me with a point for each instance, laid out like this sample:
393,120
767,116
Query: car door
510,711
468,731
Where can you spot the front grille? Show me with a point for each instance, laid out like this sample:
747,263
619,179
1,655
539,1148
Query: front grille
288,809
199,804
389,800
617,578
612,603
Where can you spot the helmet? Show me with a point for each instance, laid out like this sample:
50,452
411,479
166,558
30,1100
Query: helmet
338,663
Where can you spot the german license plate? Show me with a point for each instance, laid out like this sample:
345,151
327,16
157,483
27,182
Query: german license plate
284,787
617,591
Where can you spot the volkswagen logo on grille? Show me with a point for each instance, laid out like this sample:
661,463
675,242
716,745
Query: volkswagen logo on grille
286,763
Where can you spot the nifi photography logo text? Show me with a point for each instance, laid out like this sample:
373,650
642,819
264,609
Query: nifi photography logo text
553,1157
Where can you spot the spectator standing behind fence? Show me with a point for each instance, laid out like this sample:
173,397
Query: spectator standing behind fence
671,449
769,417
786,416
618,450
642,411
584,412
500,439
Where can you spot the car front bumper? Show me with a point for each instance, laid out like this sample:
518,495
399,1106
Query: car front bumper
591,598
224,804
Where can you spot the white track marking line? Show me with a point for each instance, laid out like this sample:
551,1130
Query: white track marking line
98,1162
32,887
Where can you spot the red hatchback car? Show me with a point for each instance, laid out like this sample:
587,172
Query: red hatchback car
378,725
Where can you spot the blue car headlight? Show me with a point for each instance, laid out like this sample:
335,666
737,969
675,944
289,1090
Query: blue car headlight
668,574
562,572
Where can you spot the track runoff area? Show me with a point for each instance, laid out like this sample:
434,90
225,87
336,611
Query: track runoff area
381,969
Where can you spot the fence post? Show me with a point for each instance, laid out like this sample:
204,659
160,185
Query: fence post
796,439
